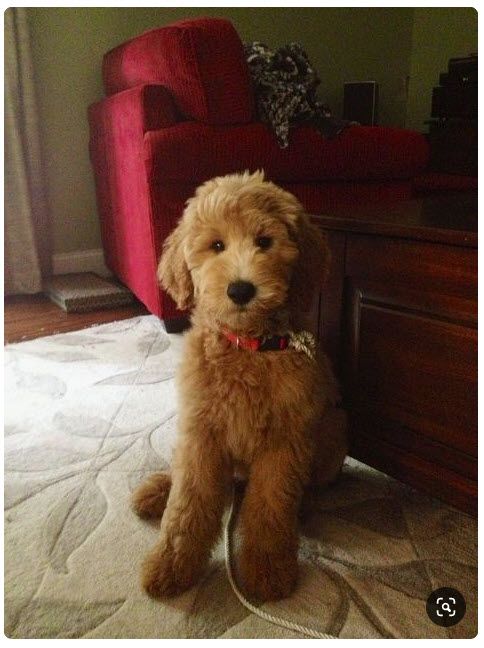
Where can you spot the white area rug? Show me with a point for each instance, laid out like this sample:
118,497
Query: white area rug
88,414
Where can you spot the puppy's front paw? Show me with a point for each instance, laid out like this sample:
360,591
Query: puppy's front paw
268,575
166,574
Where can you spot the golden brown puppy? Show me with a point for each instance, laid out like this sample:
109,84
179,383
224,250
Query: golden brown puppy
248,261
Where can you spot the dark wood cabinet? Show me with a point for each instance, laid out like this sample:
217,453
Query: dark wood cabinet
399,319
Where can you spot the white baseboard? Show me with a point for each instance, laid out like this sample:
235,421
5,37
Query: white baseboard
80,261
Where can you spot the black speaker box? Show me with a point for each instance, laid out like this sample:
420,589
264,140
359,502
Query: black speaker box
360,102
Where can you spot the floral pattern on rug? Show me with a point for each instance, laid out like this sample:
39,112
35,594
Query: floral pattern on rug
89,414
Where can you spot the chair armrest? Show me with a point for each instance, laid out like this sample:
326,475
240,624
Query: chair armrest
118,125
146,107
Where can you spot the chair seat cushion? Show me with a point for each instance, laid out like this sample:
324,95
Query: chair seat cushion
191,153
200,61
438,182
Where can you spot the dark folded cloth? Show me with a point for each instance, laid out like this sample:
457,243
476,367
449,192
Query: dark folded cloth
285,85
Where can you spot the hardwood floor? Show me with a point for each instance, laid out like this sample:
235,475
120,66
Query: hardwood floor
32,316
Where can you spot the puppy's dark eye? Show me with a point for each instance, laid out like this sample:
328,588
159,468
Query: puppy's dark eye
218,246
264,242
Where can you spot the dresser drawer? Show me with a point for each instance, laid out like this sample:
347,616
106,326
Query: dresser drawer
428,277
410,359
416,370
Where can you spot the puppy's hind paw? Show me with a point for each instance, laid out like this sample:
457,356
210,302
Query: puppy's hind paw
150,497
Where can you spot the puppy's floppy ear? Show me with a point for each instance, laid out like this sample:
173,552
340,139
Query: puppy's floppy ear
173,273
312,265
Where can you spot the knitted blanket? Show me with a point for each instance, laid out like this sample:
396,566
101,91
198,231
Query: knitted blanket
285,85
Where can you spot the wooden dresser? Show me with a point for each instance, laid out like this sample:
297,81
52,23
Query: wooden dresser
399,319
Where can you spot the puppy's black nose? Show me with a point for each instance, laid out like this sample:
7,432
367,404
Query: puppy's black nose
241,292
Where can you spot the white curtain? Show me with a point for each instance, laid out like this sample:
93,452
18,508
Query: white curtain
27,238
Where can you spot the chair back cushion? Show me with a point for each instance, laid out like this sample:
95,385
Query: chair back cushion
200,61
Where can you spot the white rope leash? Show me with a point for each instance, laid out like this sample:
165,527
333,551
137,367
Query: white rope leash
283,623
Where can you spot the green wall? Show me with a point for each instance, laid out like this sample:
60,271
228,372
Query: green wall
438,35
68,44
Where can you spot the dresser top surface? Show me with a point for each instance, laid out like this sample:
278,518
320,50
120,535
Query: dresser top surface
447,218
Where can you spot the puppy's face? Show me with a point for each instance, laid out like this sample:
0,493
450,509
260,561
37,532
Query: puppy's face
236,252
240,256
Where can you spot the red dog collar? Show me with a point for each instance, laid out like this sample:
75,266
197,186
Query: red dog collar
274,343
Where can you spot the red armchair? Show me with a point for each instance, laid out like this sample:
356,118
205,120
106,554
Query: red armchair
180,110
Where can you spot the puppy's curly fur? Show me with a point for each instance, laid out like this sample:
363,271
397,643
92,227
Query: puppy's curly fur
270,415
